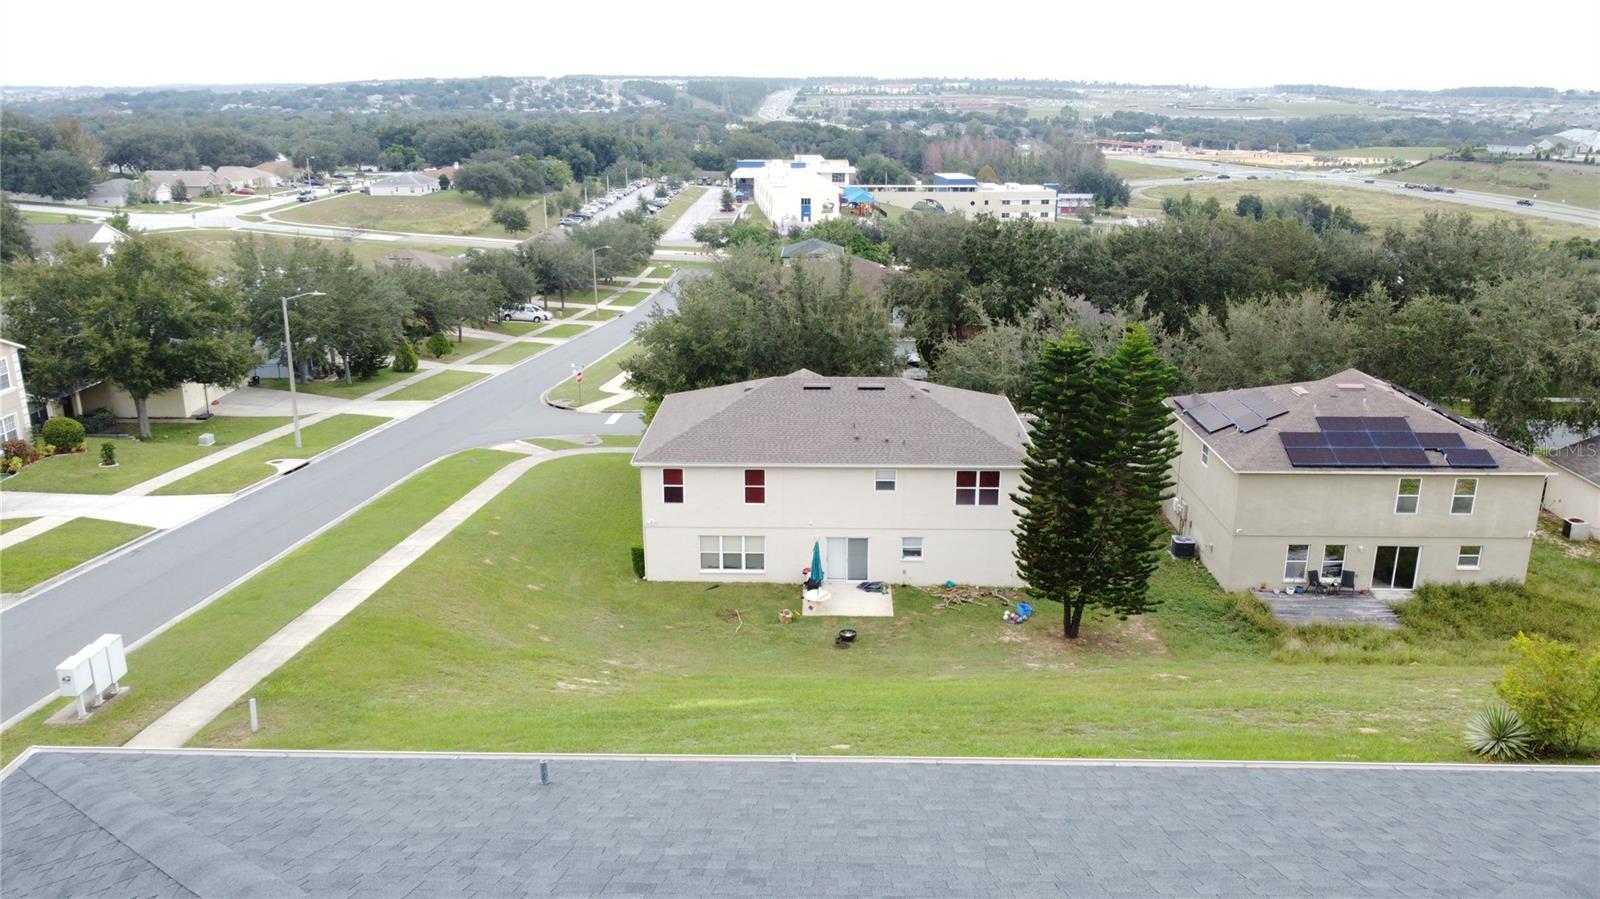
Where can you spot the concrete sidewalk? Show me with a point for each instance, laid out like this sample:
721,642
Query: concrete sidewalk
150,511
184,720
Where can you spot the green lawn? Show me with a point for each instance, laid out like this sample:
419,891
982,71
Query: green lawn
493,642
42,218
516,329
40,558
442,212
1411,154
250,466
179,661
564,331
214,248
599,373
171,444
1372,208
435,386
1135,169
336,387
1546,182
601,314
674,210
460,349
514,353
7,524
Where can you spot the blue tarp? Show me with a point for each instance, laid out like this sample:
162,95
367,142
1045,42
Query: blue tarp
856,195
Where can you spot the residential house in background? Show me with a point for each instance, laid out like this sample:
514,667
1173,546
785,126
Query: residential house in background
15,422
403,185
1348,473
111,192
1510,148
896,480
48,237
160,185
1574,487
238,176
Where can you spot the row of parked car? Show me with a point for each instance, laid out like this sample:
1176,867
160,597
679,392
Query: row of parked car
600,204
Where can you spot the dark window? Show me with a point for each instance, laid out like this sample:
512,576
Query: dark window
672,485
755,486
977,488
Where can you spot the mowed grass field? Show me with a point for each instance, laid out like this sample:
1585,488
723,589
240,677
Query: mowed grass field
40,558
1139,169
1546,182
442,212
171,444
491,642
250,466
198,648
1374,209
1408,153
214,249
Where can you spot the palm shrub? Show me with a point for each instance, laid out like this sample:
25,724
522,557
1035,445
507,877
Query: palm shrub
1498,732
1555,688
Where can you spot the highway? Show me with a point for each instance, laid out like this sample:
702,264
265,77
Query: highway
138,591
1496,202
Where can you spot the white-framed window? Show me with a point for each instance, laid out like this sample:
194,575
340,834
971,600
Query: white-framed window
1205,456
5,373
1465,497
1408,496
911,549
1005,215
8,427
1469,557
733,553
883,480
1294,564
1332,561
977,488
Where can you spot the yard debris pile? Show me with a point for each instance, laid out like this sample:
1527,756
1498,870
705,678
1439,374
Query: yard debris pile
962,594
727,614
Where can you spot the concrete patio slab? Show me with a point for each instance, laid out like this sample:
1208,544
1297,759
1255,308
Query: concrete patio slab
1317,608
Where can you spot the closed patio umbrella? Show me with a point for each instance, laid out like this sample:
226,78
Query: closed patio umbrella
816,561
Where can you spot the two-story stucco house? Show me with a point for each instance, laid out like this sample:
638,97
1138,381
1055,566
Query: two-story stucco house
1348,473
14,421
898,481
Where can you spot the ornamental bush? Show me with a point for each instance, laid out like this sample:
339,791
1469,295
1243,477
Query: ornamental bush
438,345
108,453
99,421
65,434
405,357
18,449
1497,732
1555,688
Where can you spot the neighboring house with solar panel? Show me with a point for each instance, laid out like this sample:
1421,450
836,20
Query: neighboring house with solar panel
1348,473
891,479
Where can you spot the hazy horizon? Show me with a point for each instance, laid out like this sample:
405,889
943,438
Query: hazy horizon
1247,45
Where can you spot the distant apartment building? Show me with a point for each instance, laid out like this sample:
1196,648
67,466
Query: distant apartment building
797,191
963,194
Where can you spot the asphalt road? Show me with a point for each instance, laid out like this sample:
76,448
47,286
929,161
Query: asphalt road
1496,202
137,592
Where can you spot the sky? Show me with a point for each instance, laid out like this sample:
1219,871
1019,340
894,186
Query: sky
1245,43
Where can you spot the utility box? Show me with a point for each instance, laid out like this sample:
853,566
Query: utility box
110,663
75,678
1575,529
92,674
207,439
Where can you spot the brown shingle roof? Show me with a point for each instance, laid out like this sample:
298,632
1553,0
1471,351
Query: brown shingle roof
853,421
1339,395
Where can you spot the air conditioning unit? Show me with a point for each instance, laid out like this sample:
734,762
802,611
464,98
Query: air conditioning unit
1183,546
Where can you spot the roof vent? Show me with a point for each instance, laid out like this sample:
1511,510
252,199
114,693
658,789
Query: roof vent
870,385
1297,390
1351,385
817,385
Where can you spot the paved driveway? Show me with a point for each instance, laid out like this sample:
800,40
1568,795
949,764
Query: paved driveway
259,824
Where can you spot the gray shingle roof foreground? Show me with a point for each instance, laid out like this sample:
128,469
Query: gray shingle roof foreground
1581,458
242,824
787,421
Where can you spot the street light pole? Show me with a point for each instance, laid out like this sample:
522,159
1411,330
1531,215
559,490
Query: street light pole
288,355
594,271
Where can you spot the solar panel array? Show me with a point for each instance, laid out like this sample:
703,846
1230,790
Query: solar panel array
1247,410
1364,441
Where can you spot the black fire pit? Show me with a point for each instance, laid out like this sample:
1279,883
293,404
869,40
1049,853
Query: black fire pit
845,638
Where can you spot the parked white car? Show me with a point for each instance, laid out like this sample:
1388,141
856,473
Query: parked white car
527,312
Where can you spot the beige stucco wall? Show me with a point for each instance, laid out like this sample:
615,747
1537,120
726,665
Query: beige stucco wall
1245,523
1570,496
14,399
966,544
186,401
973,203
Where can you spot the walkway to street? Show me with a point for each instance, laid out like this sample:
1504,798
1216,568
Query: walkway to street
177,726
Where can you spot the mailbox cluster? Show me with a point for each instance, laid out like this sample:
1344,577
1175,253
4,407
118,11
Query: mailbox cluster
91,675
